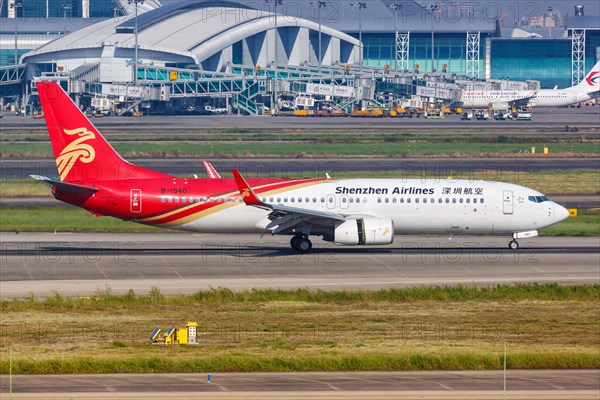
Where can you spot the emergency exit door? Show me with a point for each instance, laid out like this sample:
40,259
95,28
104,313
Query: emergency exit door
508,203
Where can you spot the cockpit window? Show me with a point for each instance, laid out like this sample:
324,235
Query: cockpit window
538,199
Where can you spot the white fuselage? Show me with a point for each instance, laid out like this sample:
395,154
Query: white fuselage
540,98
415,206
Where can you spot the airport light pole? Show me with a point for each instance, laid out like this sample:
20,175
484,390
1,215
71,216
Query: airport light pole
276,3
319,4
65,6
360,55
15,6
135,61
396,7
550,9
432,10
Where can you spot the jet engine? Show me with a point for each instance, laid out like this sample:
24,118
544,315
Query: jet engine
363,231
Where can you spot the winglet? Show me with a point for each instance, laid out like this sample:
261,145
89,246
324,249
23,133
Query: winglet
211,171
246,192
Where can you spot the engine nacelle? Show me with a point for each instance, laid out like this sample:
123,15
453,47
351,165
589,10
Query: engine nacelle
364,231
500,106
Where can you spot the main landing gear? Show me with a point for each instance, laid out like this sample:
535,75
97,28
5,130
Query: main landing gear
301,244
513,245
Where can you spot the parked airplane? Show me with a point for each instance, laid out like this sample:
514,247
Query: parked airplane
348,212
588,88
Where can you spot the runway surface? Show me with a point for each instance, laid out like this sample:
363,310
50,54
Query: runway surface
521,384
496,168
81,264
550,120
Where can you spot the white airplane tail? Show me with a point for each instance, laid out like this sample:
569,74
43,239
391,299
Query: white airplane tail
591,82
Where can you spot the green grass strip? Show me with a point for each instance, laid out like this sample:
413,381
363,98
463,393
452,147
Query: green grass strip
104,299
316,148
364,362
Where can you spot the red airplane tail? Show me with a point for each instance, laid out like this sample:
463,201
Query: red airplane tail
82,154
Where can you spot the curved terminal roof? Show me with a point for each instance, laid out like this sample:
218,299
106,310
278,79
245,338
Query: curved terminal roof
195,31
151,18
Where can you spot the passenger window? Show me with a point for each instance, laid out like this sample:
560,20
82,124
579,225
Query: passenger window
162,199
343,199
197,199
184,200
279,199
387,200
379,200
424,200
432,200
460,200
468,200
481,201
176,199
440,200
454,200
351,200
401,199
394,200
292,200
447,200
416,200
169,199
408,200
314,199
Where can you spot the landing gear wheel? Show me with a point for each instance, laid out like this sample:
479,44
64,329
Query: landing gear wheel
303,245
513,245
294,242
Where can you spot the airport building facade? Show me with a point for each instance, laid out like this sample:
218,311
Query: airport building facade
210,35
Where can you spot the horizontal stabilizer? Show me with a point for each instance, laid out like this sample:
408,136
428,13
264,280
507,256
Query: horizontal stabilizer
66,187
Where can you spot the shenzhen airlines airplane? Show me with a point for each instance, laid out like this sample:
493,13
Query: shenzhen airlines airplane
587,89
347,212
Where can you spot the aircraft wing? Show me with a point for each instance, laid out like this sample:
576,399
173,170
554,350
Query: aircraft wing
66,187
284,218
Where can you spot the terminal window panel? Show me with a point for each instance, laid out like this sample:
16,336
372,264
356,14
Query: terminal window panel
101,8
450,49
7,56
548,61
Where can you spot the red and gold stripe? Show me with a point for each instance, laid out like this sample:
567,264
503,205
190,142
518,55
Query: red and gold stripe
192,212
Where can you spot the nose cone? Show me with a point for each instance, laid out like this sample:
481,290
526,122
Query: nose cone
560,213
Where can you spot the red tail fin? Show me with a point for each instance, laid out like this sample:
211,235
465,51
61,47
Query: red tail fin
82,154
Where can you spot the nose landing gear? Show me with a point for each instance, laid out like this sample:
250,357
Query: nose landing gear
301,244
513,245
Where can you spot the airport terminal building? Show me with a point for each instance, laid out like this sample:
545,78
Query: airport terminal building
95,39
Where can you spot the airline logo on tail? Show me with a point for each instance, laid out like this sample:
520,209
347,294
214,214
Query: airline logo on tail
76,150
592,78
